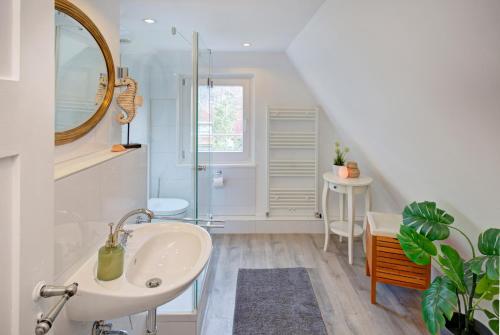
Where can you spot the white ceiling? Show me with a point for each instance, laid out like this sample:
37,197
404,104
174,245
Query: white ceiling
224,25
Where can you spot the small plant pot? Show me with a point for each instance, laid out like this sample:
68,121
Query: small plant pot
453,324
335,169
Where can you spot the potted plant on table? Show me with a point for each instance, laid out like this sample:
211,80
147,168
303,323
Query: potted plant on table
466,286
339,159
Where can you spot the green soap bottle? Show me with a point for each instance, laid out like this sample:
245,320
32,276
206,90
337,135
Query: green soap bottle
110,259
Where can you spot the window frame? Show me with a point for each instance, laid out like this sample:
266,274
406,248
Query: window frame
225,158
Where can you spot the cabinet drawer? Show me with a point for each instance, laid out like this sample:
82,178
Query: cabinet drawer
338,188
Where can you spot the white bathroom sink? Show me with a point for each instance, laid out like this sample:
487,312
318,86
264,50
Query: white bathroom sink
169,253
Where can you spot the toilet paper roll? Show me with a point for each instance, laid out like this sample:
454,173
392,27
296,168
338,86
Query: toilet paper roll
218,182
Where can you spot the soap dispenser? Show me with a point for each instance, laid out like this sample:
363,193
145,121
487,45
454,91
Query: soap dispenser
110,258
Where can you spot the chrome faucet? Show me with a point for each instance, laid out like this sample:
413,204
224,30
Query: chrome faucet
126,233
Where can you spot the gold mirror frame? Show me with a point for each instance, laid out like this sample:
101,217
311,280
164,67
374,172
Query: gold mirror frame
76,13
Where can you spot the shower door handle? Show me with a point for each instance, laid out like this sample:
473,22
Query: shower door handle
202,168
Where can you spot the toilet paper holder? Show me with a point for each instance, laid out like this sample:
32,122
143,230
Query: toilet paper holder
218,179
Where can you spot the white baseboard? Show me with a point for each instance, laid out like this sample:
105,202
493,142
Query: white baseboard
278,225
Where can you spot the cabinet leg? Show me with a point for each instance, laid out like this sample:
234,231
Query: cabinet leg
373,293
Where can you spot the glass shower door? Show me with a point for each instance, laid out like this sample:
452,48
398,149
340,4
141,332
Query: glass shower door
202,71
204,135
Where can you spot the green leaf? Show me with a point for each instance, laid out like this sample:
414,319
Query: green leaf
483,285
489,242
487,288
428,220
415,246
492,317
438,301
453,266
494,325
489,315
468,276
488,264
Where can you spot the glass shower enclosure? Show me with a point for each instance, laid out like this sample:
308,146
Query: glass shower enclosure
175,122
194,130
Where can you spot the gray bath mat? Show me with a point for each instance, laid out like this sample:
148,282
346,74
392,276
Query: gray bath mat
276,302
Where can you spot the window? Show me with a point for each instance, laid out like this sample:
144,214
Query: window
223,120
223,127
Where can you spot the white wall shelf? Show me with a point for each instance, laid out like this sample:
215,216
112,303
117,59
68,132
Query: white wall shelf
72,166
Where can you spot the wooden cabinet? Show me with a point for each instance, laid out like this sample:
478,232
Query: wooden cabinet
387,263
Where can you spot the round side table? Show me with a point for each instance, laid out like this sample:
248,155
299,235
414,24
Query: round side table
350,187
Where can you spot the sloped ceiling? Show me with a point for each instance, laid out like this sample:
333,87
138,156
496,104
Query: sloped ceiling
416,86
270,25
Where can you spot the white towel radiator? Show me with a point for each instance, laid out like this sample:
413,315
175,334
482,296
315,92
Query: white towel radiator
292,162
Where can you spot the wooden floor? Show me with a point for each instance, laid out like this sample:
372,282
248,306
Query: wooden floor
342,290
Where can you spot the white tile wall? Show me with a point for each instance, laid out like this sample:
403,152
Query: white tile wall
167,177
86,201
163,112
236,197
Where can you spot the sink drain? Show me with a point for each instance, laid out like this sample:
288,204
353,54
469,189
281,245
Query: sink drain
153,282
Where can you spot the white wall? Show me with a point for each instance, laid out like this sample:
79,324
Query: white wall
275,83
85,202
415,86
106,16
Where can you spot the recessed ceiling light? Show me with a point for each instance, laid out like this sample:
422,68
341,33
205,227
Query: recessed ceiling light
247,44
149,20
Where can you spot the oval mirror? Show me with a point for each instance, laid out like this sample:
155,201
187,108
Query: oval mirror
84,73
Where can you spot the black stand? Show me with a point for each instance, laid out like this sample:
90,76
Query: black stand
130,145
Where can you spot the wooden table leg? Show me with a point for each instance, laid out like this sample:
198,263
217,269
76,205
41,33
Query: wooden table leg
325,214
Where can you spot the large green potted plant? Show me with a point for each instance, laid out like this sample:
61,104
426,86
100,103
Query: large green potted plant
465,286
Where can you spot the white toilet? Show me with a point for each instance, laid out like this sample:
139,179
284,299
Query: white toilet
171,207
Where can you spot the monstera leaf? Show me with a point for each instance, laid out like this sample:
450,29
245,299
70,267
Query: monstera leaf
438,301
493,316
488,264
428,220
415,246
493,323
487,289
489,246
453,266
489,242
469,276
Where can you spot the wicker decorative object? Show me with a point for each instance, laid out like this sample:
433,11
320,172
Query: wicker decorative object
353,170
